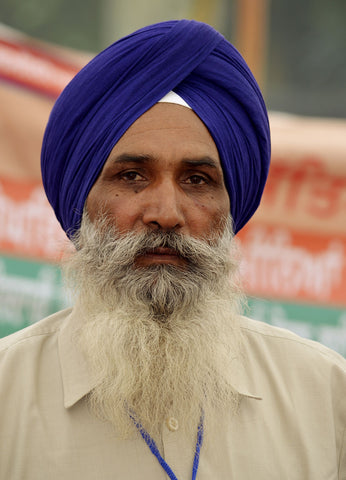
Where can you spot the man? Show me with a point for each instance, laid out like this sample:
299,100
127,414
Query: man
154,155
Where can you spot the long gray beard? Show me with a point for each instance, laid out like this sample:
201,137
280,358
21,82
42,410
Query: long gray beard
160,340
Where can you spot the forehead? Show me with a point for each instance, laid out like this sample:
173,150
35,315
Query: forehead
168,128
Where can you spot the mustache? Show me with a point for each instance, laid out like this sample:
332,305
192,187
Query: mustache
133,245
109,255
151,242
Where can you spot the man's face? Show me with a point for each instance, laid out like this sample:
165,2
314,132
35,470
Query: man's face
145,329
163,174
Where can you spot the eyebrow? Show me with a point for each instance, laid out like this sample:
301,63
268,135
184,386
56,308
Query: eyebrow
131,158
200,162
142,159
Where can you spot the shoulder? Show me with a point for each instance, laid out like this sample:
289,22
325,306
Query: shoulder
291,370
30,363
282,344
34,334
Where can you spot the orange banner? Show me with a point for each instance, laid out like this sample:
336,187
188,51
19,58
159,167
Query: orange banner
32,74
280,263
32,67
294,247
308,192
28,226
306,188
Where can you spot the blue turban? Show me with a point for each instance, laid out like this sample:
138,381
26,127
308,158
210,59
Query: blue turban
125,80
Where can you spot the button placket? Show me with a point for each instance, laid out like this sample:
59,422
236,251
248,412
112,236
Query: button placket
172,424
178,449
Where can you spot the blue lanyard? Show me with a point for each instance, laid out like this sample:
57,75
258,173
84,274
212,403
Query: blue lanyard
155,451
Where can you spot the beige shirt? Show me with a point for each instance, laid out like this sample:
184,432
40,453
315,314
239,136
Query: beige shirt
290,425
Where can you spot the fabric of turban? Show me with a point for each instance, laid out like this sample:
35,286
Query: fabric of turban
129,77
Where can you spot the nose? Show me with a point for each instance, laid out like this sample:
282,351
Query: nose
164,207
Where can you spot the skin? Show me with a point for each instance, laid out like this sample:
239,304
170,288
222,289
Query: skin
164,173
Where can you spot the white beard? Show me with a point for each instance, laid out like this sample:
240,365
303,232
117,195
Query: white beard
161,340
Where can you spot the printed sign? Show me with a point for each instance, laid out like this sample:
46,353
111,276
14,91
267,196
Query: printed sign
294,265
326,325
29,291
28,226
294,248
308,193
24,63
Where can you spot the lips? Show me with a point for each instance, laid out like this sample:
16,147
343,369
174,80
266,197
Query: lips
160,255
162,251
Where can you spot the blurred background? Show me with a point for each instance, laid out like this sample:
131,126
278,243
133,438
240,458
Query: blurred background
297,47
294,248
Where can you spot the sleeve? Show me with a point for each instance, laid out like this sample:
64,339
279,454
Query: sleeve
342,466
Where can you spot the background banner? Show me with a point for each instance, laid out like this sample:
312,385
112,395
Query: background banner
294,248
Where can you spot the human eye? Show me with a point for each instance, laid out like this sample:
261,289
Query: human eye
130,176
197,179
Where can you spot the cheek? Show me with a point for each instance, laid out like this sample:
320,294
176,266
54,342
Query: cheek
124,213
116,209
207,218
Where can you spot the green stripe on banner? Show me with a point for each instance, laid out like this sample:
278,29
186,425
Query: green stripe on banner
29,291
324,324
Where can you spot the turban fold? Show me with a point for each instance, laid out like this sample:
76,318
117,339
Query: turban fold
129,77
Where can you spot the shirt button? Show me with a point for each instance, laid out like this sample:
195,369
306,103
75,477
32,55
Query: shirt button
172,424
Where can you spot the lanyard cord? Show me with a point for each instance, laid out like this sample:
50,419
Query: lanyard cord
155,451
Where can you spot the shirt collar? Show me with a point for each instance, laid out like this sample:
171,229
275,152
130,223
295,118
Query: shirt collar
241,381
76,378
75,374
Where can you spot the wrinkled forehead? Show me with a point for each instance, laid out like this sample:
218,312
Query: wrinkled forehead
170,133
